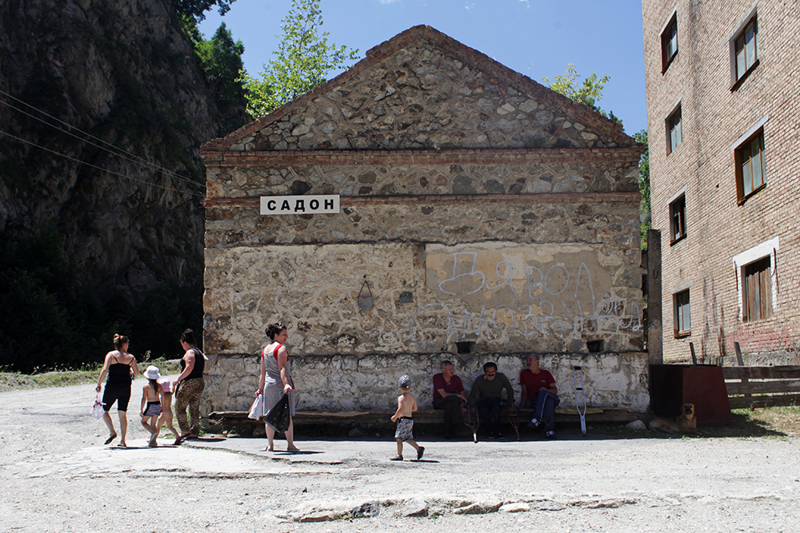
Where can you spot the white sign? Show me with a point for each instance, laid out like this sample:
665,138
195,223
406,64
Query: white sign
321,204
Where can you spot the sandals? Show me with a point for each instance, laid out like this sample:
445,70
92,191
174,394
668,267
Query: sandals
111,438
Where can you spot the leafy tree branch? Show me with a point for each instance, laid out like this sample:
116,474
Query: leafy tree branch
588,92
303,60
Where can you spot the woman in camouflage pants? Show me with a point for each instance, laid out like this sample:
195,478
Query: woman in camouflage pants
189,386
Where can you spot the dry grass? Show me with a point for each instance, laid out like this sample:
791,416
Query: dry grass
779,421
62,378
761,422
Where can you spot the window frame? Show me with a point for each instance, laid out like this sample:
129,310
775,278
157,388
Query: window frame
743,159
677,224
769,248
674,126
759,290
739,31
682,318
669,36
742,35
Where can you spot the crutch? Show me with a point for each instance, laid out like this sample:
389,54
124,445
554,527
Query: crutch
583,392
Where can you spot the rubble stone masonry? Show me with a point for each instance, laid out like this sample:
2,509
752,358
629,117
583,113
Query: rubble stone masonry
482,216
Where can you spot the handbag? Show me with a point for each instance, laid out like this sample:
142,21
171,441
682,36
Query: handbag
257,409
278,416
97,408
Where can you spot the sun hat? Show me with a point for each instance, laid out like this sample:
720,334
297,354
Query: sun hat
152,372
166,385
404,382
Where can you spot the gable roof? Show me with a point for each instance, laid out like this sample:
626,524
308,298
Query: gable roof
591,128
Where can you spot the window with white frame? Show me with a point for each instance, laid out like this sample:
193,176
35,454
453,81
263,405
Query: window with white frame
757,280
757,290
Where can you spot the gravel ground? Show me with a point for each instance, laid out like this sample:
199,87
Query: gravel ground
57,475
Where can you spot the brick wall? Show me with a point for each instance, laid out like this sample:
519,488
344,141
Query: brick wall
714,117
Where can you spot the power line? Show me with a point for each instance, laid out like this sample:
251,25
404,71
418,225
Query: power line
119,152
146,182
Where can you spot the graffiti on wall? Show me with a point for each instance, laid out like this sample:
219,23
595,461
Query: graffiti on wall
497,291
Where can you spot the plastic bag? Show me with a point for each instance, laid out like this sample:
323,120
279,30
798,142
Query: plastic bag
97,408
278,416
257,409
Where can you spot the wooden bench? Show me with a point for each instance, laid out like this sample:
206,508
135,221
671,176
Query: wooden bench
423,417
762,386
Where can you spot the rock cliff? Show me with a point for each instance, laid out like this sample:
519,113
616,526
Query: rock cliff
104,108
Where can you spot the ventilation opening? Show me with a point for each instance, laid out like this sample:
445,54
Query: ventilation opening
464,347
595,346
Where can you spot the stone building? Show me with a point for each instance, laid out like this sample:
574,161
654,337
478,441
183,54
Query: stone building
480,214
723,111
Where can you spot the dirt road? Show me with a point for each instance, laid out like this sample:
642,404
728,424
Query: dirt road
57,475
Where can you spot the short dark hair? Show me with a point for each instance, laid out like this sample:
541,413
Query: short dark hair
489,365
445,363
274,329
188,337
531,355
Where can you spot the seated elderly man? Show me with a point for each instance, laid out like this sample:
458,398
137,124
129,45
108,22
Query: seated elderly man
540,392
487,394
448,395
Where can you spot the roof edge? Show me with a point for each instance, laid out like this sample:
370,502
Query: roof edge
465,54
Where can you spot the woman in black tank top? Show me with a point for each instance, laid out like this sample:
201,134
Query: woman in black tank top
118,365
189,386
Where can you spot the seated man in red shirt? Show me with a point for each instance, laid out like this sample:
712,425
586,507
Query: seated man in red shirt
539,391
448,394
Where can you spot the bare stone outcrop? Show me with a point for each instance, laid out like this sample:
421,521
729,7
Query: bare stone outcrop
125,73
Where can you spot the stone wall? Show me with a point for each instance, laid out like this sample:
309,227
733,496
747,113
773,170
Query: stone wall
502,296
423,90
483,213
351,382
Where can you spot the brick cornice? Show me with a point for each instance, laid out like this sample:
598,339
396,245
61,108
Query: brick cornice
419,157
253,202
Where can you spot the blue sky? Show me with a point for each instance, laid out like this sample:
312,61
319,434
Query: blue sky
536,38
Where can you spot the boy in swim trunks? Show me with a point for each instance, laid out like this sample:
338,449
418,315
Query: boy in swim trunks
166,410
406,405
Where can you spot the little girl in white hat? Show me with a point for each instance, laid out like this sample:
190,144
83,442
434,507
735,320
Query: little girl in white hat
151,403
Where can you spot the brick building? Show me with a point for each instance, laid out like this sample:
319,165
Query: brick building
480,214
723,111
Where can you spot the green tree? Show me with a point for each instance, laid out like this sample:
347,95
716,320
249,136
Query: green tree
303,60
589,92
43,304
221,59
197,8
644,187
53,319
